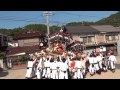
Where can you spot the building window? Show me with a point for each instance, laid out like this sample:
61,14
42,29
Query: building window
5,38
85,39
90,39
107,38
111,37
42,40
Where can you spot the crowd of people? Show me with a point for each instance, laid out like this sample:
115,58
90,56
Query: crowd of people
69,65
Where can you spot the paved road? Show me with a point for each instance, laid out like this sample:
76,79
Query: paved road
20,73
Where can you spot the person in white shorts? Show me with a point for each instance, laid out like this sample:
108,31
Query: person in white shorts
39,69
112,59
91,66
29,69
63,69
53,67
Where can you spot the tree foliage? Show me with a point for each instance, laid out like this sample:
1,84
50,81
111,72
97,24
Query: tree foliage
24,58
36,27
113,19
85,23
2,55
54,29
32,27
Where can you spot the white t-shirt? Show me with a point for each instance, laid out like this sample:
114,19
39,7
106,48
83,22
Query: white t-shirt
53,65
58,64
30,64
47,64
39,65
78,64
99,58
112,58
91,60
63,66
95,59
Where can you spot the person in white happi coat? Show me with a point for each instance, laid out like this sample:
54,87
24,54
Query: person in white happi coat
53,67
99,59
108,61
9,63
79,68
87,61
43,66
112,59
35,62
58,62
104,63
47,66
66,57
72,70
69,58
39,69
63,69
91,66
29,69
83,61
96,64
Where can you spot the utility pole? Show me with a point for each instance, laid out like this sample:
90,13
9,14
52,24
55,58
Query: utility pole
47,14
82,23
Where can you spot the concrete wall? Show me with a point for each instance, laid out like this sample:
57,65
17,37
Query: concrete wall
28,42
1,63
76,37
118,48
100,38
3,40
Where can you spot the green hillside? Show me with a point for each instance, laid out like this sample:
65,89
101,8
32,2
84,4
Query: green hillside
113,19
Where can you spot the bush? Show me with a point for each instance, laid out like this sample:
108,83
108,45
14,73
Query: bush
15,62
2,55
24,58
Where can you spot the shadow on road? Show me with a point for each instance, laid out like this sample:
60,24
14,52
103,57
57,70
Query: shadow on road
3,73
117,66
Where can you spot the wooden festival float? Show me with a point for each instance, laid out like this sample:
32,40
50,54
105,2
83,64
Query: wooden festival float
59,42
62,42
75,46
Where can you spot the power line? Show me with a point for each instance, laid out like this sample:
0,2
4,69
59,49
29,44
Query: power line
24,20
58,22
80,15
13,17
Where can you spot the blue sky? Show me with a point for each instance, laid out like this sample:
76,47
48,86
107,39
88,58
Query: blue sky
15,19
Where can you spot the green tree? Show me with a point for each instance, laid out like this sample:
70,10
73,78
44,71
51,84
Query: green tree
2,55
85,23
54,29
36,27
113,19
24,58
